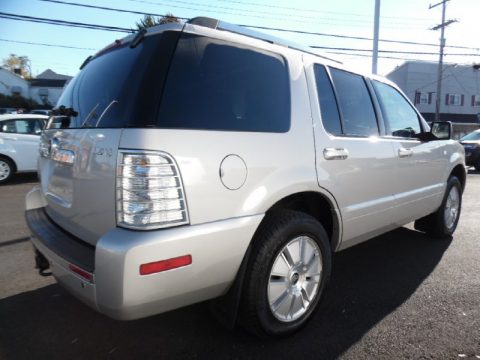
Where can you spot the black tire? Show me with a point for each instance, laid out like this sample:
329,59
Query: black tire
477,166
436,225
279,230
7,169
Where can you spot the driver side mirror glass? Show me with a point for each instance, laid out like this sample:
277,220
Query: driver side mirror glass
442,130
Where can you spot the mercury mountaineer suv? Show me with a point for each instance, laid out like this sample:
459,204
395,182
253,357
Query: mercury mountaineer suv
203,160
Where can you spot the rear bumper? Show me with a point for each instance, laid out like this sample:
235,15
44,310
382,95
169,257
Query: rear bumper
118,290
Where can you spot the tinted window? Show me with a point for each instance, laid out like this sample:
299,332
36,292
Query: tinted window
22,126
120,87
216,85
355,103
328,104
401,119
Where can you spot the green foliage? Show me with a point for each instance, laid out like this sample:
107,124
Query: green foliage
149,21
18,102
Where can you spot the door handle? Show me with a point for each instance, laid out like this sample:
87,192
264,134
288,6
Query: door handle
335,153
13,138
403,152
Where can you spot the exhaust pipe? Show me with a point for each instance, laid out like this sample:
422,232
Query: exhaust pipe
42,264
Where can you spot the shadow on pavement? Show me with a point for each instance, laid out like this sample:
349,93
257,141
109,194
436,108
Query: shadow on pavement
22,178
369,282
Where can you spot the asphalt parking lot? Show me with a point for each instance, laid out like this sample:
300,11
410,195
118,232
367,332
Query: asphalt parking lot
398,296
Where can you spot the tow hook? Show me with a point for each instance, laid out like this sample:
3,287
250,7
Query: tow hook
42,264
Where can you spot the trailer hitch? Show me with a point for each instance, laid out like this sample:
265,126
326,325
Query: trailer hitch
42,264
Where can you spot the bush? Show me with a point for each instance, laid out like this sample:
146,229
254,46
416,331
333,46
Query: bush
18,102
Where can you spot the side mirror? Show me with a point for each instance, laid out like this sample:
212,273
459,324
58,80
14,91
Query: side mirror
442,130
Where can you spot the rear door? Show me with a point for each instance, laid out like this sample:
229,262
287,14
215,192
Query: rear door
353,162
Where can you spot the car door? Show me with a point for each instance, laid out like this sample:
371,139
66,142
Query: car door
353,161
22,136
419,184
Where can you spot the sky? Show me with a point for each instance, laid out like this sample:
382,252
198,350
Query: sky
403,20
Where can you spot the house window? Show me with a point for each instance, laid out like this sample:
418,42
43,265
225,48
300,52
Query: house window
454,99
475,100
423,98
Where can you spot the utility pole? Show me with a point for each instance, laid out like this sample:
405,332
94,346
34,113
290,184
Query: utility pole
376,26
442,27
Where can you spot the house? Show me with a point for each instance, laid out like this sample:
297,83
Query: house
460,96
45,89
13,84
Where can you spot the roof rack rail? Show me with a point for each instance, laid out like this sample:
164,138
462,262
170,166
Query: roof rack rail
242,30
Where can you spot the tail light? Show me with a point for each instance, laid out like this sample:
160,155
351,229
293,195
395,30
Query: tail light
150,193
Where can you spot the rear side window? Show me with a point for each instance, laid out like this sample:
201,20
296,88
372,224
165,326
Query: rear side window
355,103
216,85
328,104
401,119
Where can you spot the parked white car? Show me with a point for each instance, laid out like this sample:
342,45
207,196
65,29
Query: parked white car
19,138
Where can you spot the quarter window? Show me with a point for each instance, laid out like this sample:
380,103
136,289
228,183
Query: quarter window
217,85
355,104
401,119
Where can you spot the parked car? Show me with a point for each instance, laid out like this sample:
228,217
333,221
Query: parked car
41,112
19,140
471,144
203,160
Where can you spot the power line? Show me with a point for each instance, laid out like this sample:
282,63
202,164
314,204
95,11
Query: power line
317,11
45,44
62,22
220,9
354,37
257,27
119,29
390,51
108,8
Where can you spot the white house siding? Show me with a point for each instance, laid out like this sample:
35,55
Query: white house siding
10,81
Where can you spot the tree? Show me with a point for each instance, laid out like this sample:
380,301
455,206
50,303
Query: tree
149,21
18,64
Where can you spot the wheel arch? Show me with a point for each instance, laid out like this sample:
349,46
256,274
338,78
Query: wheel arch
321,206
460,172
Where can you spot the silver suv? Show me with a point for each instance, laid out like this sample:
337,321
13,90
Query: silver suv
203,160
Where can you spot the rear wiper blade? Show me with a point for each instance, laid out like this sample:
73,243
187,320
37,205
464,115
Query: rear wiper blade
62,110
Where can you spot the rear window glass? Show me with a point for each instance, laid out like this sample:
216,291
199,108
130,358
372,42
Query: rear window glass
119,88
217,85
358,115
